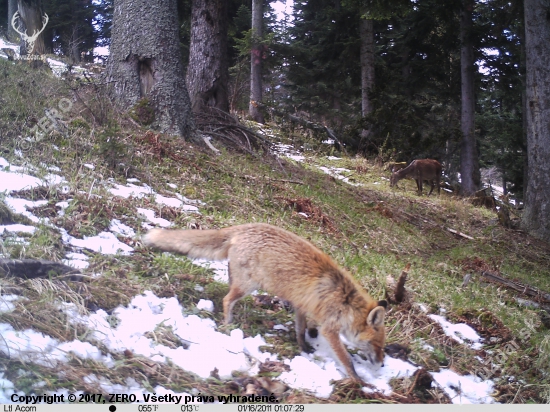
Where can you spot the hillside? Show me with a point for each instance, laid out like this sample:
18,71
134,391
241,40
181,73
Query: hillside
135,321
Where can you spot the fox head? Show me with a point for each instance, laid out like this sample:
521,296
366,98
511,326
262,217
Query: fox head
371,340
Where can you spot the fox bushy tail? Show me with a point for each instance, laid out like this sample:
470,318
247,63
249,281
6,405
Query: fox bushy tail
207,244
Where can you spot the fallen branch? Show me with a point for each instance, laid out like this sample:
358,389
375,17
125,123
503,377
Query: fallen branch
222,126
523,289
206,140
32,268
456,232
248,177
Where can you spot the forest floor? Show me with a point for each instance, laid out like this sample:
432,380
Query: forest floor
87,191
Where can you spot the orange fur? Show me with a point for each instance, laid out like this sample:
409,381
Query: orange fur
263,256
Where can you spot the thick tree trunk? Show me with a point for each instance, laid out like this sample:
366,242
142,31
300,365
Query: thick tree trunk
469,160
256,87
536,216
32,17
12,8
366,33
145,63
208,70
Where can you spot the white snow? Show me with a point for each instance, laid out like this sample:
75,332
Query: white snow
309,375
6,304
15,181
220,268
15,228
76,260
287,150
131,190
464,389
20,206
150,216
104,242
206,305
120,228
58,67
338,173
202,348
459,332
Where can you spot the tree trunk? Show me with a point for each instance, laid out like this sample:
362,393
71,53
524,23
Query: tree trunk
366,33
256,62
536,216
12,8
469,160
74,46
32,18
145,63
208,70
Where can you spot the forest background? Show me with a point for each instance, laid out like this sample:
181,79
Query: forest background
395,80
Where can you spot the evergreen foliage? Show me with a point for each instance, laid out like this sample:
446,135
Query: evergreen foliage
323,61
3,18
70,30
312,69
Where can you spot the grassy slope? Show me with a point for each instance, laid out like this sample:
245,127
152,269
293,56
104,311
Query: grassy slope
369,229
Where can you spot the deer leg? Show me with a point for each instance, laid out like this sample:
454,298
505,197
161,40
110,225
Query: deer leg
419,186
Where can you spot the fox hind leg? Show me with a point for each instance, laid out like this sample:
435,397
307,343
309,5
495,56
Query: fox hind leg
240,285
229,302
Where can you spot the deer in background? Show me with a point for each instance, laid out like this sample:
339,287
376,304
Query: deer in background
420,170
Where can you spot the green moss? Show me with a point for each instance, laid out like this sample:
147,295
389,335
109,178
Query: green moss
143,112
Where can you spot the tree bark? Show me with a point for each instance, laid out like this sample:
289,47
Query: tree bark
469,159
208,70
31,15
256,62
145,63
536,215
12,8
366,31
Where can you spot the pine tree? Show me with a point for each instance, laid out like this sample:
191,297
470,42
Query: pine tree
323,73
31,21
208,71
70,29
500,102
469,158
256,57
145,64
537,51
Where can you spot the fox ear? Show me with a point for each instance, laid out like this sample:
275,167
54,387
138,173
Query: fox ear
383,303
376,316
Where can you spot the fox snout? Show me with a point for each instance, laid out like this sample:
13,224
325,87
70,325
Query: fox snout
375,357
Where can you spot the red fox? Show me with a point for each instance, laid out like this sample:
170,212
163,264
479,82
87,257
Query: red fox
262,256
420,170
